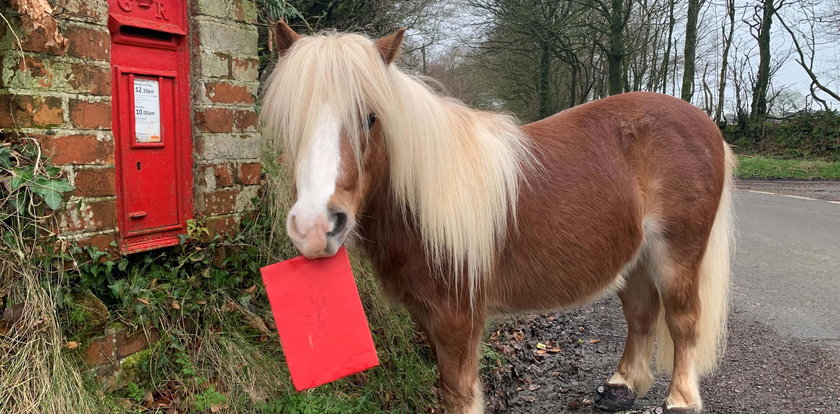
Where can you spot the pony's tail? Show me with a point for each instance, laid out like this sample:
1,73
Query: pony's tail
715,269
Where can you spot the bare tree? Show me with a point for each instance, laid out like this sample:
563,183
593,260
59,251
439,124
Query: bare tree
727,45
760,24
672,21
690,50
805,44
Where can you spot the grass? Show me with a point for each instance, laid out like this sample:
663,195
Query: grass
758,166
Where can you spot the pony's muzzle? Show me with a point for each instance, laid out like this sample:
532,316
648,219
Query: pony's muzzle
319,235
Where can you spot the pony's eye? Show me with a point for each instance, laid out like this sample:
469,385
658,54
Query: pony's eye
371,120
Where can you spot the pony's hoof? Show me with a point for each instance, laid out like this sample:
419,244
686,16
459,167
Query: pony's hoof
663,409
614,397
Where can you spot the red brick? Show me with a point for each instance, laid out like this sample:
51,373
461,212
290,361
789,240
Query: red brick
249,173
228,225
101,242
78,149
244,68
245,120
90,216
23,111
90,79
100,351
224,178
88,43
36,41
85,114
221,92
89,11
220,202
131,342
215,120
38,69
95,183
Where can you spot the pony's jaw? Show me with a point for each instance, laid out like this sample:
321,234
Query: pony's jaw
310,223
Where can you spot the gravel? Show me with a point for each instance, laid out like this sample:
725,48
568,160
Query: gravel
761,371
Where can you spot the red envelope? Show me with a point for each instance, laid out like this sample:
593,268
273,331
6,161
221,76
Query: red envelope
319,317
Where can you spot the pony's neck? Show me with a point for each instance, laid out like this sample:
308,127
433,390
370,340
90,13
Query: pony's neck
457,171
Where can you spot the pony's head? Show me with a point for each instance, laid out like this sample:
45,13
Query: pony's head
349,120
323,101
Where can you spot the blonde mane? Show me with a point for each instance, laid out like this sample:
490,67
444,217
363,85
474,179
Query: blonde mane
455,170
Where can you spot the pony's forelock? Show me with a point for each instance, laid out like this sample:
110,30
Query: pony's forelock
454,170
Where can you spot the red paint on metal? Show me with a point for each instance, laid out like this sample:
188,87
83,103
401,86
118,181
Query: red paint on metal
149,46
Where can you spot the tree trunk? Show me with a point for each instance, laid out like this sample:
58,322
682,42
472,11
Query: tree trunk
666,61
690,50
730,12
615,55
762,78
573,86
545,71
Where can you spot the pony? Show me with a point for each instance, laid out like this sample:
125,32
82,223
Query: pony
465,215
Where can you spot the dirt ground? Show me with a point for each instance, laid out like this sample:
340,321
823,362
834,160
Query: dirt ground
761,372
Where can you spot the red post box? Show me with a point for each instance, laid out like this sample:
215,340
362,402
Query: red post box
151,121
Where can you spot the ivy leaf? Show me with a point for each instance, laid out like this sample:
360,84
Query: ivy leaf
19,203
53,200
5,155
61,186
20,177
50,196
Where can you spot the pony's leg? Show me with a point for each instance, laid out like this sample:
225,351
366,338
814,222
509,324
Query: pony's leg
681,303
640,302
455,335
422,321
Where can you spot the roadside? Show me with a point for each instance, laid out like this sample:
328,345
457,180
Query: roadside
821,190
762,167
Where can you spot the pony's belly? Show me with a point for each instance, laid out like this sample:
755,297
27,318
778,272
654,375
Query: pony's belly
550,291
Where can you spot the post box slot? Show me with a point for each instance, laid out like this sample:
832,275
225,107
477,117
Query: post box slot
145,33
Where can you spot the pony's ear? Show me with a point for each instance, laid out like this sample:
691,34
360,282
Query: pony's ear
389,46
284,36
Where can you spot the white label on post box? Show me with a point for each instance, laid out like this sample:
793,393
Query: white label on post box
146,110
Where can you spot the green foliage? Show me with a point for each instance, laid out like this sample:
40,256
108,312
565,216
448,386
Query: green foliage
278,9
808,135
30,189
208,400
773,168
134,392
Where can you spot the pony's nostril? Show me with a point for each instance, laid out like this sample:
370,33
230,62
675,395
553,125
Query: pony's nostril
339,221
292,226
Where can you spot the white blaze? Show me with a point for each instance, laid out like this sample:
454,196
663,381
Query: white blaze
317,173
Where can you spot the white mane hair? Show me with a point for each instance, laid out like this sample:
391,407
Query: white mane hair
455,170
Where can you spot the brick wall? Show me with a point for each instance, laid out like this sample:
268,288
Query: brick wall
65,102
224,79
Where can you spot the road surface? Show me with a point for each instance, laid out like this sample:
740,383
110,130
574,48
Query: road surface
784,344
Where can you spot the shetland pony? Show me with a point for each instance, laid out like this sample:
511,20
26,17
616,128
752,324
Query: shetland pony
465,215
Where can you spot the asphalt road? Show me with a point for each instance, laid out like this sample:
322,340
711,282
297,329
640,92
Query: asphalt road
783,354
787,265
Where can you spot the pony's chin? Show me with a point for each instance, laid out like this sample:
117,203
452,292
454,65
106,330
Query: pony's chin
329,250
